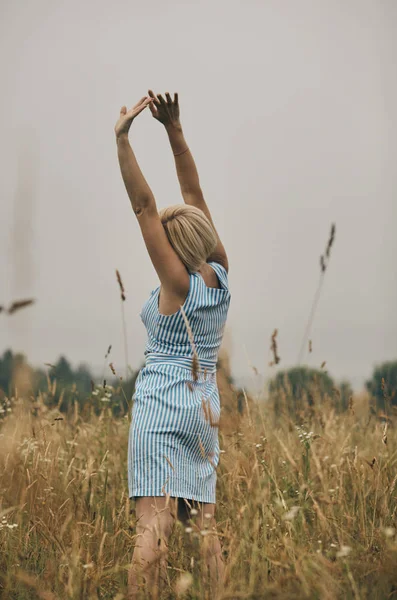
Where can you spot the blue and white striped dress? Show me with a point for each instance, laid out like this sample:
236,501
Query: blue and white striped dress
173,445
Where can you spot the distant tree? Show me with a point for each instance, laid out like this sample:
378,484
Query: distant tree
300,388
6,363
346,393
83,378
40,380
74,385
9,364
63,371
384,394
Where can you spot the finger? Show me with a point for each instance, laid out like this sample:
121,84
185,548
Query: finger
162,101
168,98
176,98
153,109
141,101
155,100
147,102
123,110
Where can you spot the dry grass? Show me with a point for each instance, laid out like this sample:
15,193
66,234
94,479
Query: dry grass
308,512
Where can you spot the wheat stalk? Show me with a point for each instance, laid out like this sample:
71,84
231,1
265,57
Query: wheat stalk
324,261
123,298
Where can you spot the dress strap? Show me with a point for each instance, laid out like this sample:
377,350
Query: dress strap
221,272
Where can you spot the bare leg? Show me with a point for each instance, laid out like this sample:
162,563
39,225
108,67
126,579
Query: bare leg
155,520
211,549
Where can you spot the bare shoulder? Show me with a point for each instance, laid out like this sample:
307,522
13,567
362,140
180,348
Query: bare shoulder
221,259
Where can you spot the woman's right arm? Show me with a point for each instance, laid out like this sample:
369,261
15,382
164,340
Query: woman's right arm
168,114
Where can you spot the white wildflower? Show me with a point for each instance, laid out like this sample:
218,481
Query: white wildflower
389,532
291,514
183,584
344,551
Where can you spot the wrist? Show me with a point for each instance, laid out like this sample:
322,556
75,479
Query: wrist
122,138
173,127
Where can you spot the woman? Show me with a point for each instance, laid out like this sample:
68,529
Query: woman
173,448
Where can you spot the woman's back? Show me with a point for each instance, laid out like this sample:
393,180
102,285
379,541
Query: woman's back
206,310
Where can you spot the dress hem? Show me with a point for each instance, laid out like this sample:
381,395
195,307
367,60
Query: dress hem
196,497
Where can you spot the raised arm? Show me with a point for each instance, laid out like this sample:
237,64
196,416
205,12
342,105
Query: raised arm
167,112
170,269
138,190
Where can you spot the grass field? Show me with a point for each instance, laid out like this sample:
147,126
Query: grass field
307,508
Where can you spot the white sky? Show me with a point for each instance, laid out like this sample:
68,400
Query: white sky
290,111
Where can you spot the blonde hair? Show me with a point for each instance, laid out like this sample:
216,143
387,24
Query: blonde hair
190,233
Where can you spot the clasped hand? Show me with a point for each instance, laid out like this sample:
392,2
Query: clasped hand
166,112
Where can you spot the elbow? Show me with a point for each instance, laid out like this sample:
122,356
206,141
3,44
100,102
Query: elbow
143,204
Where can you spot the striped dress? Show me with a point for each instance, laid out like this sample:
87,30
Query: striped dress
173,445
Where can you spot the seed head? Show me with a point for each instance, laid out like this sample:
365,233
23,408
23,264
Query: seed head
18,304
122,291
273,348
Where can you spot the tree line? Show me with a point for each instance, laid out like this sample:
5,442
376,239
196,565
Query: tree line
61,385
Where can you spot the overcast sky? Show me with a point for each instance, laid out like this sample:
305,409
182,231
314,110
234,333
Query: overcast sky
289,109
